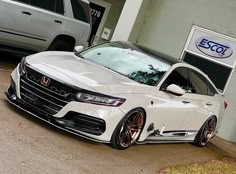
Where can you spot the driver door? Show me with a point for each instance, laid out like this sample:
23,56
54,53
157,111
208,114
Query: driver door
170,110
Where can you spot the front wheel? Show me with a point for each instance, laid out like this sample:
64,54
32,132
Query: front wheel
128,130
206,132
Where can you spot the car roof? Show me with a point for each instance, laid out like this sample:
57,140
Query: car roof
146,50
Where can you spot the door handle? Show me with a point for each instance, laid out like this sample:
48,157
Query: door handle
209,104
26,13
186,102
57,21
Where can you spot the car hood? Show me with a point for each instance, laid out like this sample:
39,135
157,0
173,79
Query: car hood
70,69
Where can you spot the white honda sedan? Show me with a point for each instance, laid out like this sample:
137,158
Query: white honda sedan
119,93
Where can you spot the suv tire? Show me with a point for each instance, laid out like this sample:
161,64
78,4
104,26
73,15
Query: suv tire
60,45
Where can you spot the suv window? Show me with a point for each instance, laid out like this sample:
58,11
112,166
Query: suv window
51,5
24,1
179,77
81,10
60,7
198,84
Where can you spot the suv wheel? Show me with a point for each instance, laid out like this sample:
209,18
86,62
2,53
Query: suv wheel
60,45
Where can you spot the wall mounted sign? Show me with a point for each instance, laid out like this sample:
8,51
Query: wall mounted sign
106,33
213,53
215,46
211,47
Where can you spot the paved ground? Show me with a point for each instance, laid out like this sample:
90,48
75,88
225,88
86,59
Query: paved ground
31,146
228,147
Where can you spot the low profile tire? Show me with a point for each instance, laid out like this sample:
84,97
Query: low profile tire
60,45
206,132
128,130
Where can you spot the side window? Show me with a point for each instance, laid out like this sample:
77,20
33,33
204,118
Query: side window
178,77
198,84
211,90
45,4
59,6
23,1
51,5
81,10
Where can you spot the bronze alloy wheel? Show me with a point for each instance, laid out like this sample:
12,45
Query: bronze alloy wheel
206,132
128,130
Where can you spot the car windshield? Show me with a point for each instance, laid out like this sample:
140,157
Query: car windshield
132,63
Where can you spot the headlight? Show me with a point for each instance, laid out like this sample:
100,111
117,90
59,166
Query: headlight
99,100
22,66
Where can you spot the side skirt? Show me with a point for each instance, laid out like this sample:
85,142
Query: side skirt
181,136
163,142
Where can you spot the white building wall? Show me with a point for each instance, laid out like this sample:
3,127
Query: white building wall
167,27
114,15
169,22
127,20
140,20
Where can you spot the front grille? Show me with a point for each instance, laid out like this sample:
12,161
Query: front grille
47,99
56,87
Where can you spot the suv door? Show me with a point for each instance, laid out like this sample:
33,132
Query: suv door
203,101
46,22
170,110
14,20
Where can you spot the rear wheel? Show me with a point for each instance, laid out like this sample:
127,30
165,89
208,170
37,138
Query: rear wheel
128,130
206,132
60,45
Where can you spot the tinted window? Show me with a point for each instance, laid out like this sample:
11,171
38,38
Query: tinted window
24,1
81,10
197,83
60,6
51,5
45,4
211,90
178,77
217,73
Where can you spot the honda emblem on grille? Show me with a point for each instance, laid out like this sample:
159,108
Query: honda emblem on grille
45,81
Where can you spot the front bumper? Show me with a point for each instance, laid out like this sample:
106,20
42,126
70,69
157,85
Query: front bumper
72,122
50,105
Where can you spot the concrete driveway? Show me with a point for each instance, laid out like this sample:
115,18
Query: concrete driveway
29,145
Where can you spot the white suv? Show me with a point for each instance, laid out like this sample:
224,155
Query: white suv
39,25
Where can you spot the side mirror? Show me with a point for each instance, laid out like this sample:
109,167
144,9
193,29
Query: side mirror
78,49
175,89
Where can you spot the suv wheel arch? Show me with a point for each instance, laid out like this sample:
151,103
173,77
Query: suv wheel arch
62,43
